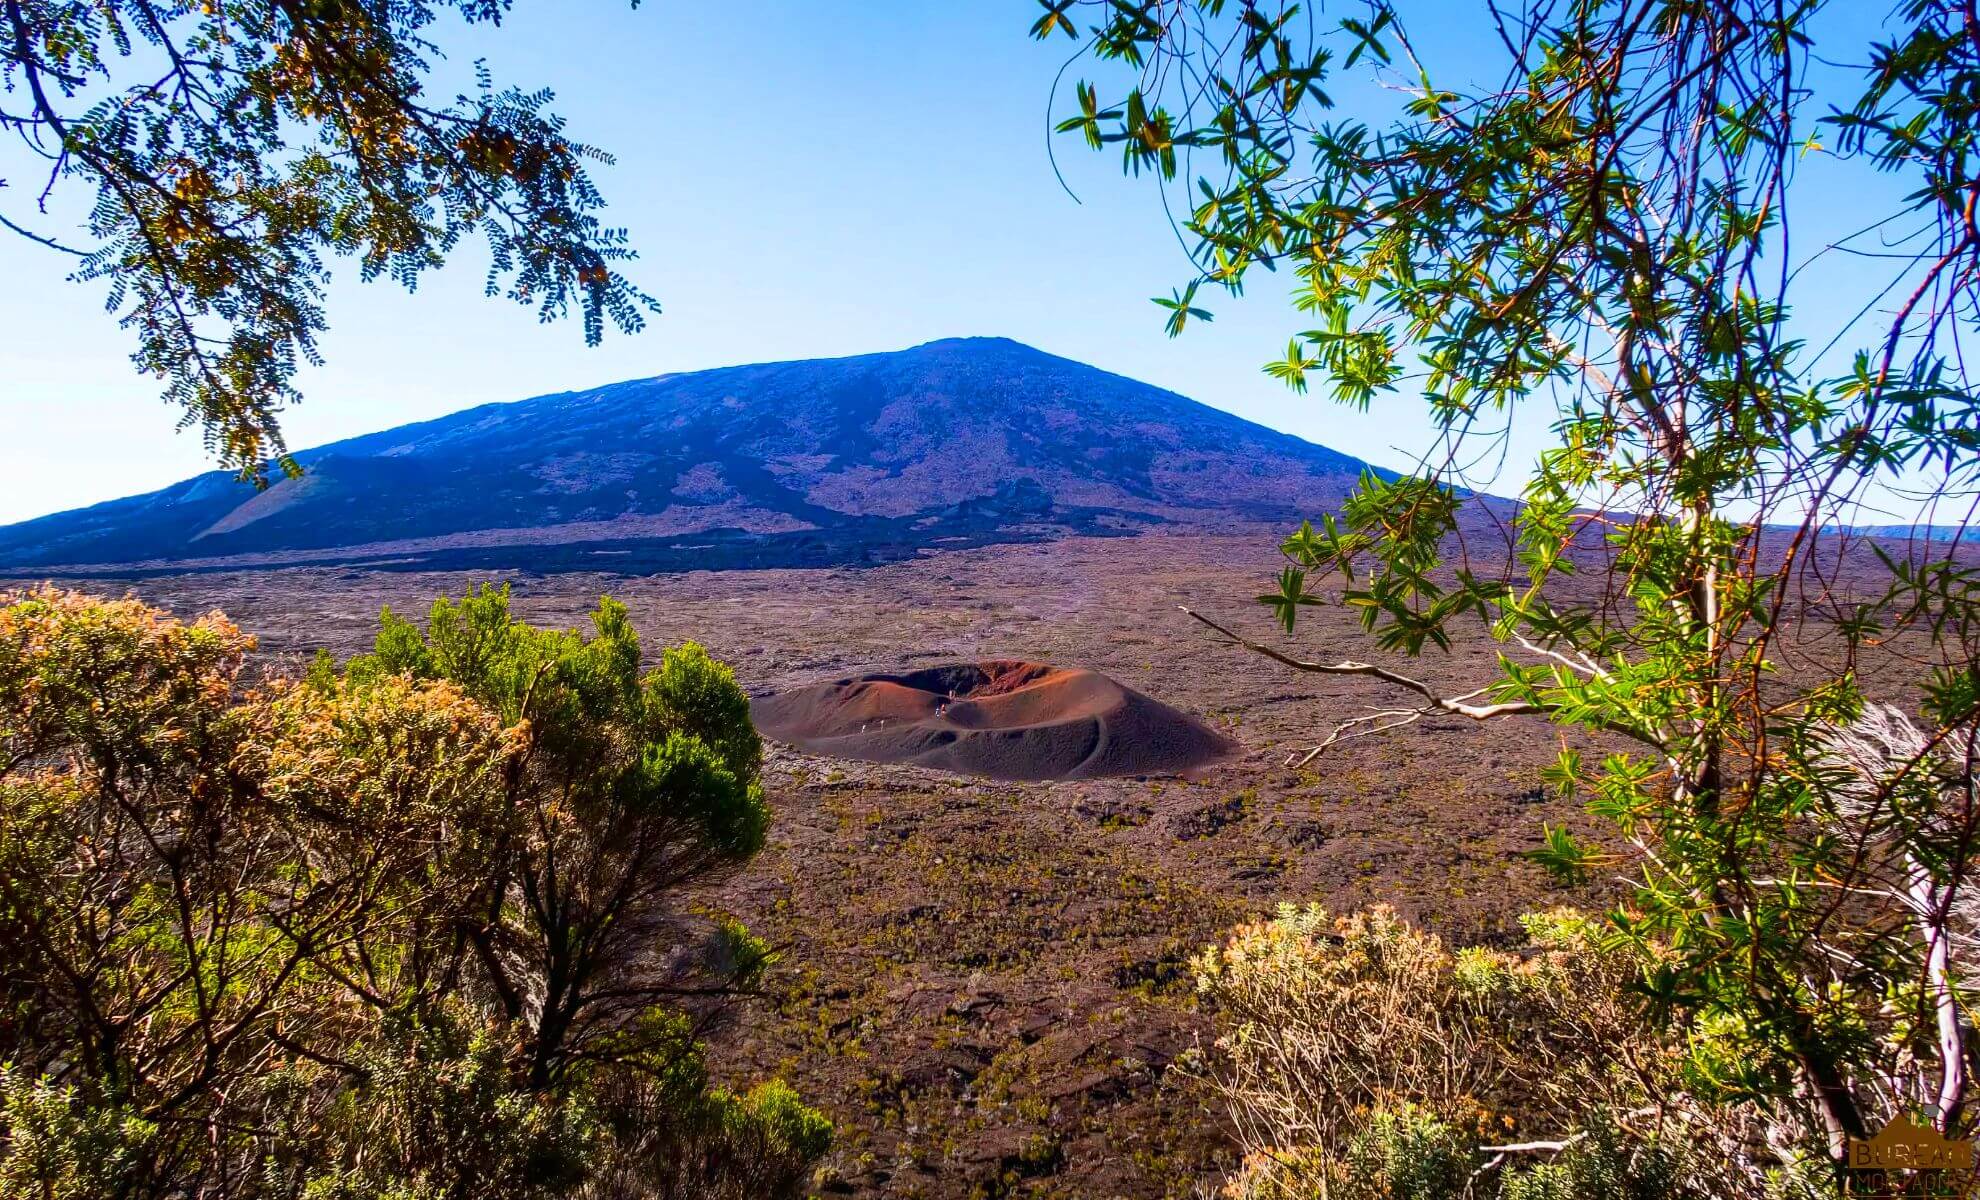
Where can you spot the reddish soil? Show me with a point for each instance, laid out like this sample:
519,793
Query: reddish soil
999,719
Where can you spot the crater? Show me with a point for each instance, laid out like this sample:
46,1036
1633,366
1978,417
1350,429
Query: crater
1001,719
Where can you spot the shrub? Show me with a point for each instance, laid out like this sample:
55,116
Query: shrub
1358,1056
59,1148
1604,1164
406,929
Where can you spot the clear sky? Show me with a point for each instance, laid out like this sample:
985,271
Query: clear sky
803,178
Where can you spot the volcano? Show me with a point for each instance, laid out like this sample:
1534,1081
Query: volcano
828,461
1004,719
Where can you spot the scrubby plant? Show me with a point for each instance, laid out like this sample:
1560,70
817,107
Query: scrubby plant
1358,1056
1604,1163
627,787
413,928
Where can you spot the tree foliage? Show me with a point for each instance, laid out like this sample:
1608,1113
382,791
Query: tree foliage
235,147
1600,244
415,927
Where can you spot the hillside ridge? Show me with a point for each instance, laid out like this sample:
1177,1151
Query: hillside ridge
865,458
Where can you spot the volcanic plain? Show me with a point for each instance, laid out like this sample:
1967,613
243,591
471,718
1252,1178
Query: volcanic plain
985,983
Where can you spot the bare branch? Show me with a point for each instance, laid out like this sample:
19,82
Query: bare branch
1434,701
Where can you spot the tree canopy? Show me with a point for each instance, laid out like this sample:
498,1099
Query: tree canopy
236,148
1601,244
412,927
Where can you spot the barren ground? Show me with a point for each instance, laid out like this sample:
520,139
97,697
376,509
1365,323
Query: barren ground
986,984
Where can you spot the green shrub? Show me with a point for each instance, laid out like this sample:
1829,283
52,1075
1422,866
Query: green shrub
409,929
59,1147
1603,1164
1406,1155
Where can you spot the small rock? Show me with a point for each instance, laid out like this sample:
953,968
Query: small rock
1310,835
1209,820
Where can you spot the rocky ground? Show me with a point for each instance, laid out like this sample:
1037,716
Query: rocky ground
986,984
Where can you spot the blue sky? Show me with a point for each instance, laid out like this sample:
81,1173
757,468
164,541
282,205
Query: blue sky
803,179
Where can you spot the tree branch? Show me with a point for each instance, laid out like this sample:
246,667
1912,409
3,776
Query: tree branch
1433,701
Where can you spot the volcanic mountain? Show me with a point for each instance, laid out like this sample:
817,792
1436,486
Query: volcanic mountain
862,459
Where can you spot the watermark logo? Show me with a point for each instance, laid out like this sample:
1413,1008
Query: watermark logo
1910,1158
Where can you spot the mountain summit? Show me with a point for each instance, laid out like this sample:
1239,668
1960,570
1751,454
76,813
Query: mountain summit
869,458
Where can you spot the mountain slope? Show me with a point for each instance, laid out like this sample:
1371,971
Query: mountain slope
832,460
